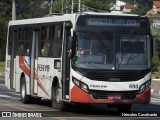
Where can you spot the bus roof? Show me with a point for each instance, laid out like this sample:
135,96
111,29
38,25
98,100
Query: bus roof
114,13
63,17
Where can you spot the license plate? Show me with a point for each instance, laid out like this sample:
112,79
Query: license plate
114,97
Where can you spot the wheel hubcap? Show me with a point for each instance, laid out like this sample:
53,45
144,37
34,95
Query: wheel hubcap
23,91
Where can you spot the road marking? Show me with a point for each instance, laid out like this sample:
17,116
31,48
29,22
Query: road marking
155,100
23,109
13,93
156,79
64,118
3,85
7,96
58,118
12,106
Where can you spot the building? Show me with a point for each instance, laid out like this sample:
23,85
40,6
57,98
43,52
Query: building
122,6
118,5
128,7
156,7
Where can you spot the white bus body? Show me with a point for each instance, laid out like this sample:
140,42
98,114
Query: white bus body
38,64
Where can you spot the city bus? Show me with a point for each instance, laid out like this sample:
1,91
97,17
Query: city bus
83,58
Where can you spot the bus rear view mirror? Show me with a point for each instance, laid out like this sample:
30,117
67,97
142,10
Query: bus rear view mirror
68,24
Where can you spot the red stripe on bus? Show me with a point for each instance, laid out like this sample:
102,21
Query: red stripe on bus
39,84
23,67
26,70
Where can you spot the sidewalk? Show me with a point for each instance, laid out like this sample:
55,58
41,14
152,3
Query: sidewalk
155,84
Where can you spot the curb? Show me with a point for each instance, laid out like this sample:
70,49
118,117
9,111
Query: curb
156,79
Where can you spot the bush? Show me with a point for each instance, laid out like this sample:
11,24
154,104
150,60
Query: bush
155,63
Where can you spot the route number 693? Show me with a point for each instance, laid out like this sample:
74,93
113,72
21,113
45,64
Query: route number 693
133,86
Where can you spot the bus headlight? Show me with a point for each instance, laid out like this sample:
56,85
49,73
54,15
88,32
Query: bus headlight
79,84
144,85
76,82
84,87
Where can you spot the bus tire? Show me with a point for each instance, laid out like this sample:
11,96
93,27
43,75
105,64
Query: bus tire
24,97
57,104
123,108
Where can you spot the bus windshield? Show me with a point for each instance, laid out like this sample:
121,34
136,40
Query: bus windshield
105,50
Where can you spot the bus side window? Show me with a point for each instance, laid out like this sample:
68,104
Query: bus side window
56,40
45,42
20,49
45,48
60,35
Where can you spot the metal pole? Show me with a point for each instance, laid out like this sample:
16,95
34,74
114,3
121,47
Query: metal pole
51,7
79,6
62,6
83,8
72,7
66,6
13,10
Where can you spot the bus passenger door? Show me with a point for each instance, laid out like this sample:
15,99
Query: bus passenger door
34,62
66,63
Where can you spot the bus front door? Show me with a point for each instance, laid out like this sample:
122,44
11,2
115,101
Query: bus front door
34,63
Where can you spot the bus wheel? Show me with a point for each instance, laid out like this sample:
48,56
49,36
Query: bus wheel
56,102
124,108
24,97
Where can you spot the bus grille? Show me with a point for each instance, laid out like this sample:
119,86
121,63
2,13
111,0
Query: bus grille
113,75
126,95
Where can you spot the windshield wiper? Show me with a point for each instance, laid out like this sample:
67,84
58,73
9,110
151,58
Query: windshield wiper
102,43
127,45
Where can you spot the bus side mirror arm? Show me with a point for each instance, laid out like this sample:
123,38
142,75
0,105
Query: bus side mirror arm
70,53
71,49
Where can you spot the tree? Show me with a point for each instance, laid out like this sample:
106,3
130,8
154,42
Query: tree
139,11
3,38
102,5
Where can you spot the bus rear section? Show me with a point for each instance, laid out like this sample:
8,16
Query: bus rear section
112,61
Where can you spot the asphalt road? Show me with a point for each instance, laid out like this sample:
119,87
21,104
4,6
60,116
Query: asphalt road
10,102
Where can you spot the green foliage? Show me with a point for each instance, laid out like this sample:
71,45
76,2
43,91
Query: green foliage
2,66
155,63
3,37
156,58
139,11
157,39
5,11
99,5
57,7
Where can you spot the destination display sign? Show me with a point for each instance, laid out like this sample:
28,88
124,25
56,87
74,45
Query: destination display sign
105,21
112,22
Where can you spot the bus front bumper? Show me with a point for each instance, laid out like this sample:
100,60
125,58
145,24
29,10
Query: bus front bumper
78,95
